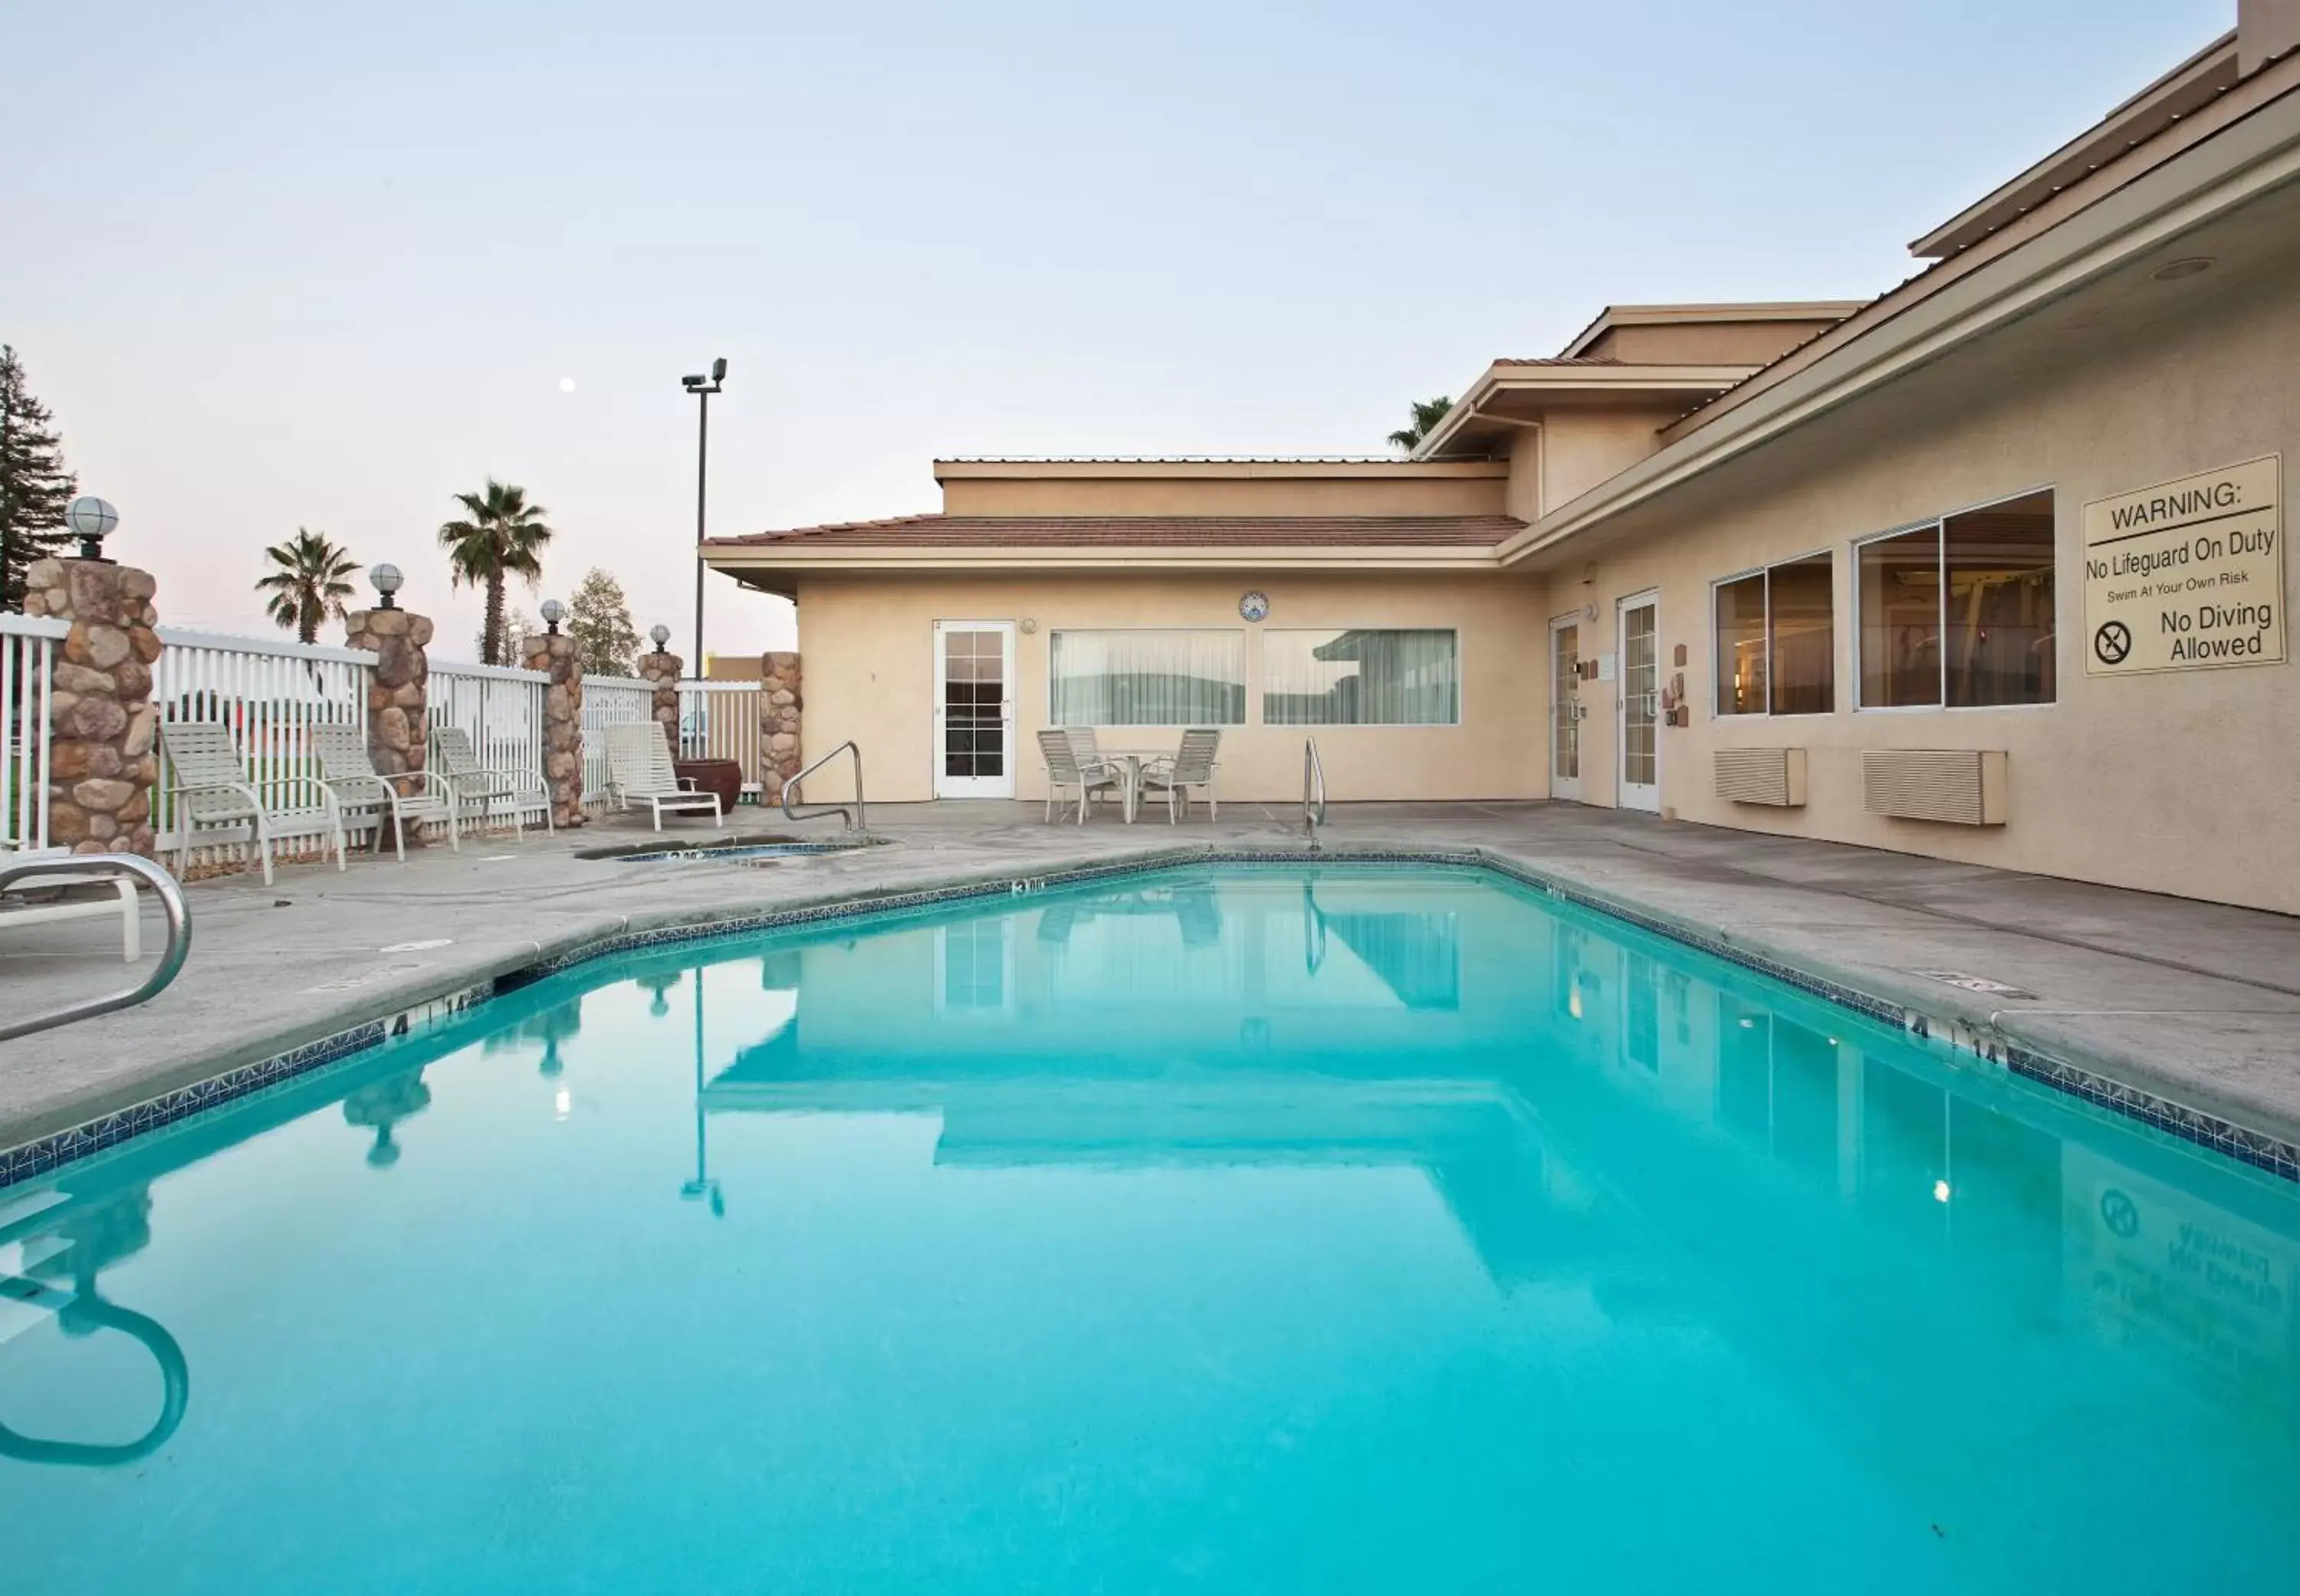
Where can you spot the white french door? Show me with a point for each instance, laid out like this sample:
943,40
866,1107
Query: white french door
1565,708
1639,633
974,708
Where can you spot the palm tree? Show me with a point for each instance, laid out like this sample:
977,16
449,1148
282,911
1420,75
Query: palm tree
1427,414
309,584
503,537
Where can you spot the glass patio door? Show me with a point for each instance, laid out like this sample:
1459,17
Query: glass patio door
974,708
1565,710
1641,689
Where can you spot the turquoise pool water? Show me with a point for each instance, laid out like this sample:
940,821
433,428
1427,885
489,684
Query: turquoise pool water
1368,1230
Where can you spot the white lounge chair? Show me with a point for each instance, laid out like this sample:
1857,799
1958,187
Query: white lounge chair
480,792
1091,775
212,790
347,770
640,771
1192,765
15,912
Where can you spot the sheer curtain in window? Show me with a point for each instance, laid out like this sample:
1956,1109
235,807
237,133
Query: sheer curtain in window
1360,678
1148,678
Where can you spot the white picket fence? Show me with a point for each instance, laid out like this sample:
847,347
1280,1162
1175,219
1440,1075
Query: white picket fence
609,701
272,693
27,647
500,709
719,721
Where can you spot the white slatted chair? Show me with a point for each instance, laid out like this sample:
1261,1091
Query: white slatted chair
212,790
1192,765
480,792
640,771
15,911
1071,764
347,770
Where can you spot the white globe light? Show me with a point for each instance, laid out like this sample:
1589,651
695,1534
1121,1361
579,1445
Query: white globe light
661,635
91,517
551,611
386,578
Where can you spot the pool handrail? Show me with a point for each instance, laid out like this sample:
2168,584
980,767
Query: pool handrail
856,818
81,1312
97,866
1313,789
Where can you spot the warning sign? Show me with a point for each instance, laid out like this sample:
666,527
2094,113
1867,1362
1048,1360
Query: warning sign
2187,574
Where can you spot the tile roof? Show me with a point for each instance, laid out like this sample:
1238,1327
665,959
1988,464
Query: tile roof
1140,531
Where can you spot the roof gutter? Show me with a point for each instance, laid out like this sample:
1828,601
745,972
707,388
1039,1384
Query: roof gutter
2238,163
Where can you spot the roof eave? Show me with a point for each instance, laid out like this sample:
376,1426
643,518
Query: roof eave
2196,80
850,559
2238,163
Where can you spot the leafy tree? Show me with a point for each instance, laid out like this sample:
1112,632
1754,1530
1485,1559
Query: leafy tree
502,536
309,584
35,487
599,620
518,626
1427,414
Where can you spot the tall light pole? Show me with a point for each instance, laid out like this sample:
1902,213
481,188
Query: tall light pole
701,388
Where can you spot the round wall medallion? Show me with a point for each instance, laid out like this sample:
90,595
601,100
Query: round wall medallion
1255,605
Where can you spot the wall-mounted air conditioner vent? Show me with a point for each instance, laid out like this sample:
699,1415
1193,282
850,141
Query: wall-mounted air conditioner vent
1774,776
1955,787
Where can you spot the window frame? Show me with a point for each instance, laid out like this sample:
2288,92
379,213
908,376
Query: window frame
1259,690
1765,570
1245,679
1938,523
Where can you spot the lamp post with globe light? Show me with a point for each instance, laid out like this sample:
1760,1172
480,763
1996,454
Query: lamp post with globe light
701,388
386,580
554,611
92,519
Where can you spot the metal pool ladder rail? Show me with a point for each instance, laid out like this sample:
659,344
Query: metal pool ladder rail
96,866
856,818
1313,789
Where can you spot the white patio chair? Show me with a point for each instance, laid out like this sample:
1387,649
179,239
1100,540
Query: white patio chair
1192,765
1091,776
15,912
478,792
212,790
640,771
347,770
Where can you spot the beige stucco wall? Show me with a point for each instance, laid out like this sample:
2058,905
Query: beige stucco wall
870,671
1703,343
2180,783
1580,448
1436,488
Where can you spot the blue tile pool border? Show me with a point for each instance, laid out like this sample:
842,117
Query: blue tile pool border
2105,1096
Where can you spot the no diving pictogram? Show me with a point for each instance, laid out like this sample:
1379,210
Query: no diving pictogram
2112,642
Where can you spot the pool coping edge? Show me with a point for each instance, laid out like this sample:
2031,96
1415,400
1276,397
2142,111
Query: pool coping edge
388,1017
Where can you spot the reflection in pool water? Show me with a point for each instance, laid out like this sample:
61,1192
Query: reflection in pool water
1361,1230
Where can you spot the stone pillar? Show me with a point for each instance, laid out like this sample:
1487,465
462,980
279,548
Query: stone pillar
399,694
562,723
663,669
103,760
779,703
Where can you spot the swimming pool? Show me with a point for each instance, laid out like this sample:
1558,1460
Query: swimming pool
1274,1229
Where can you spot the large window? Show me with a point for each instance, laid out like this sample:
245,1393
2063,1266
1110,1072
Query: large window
1148,678
1960,612
1361,679
1776,640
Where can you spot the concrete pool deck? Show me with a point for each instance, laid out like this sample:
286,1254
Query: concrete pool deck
2196,1004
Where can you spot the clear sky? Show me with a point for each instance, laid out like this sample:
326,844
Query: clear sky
323,265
